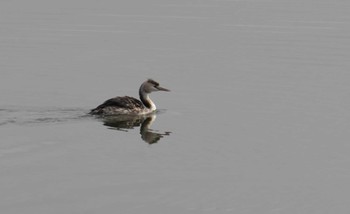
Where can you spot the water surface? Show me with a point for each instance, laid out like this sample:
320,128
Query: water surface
256,122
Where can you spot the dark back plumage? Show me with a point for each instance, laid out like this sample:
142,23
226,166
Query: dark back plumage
125,103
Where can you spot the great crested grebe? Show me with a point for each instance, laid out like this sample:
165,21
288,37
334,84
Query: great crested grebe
130,105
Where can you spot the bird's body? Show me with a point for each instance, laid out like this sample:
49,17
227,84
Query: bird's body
129,105
121,105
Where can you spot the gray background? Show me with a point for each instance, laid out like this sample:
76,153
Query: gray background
258,113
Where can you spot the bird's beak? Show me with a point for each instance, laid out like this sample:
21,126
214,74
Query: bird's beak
162,89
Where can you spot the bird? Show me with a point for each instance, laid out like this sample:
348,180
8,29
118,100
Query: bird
129,105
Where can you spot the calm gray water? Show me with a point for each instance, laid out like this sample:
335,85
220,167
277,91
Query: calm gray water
257,120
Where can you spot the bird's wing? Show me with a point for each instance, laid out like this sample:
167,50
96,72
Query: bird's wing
122,102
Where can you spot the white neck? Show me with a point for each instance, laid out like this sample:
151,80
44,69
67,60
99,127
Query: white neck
147,102
153,106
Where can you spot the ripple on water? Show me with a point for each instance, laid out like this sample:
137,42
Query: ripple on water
39,115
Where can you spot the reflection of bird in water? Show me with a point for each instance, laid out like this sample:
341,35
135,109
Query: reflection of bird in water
125,122
130,105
